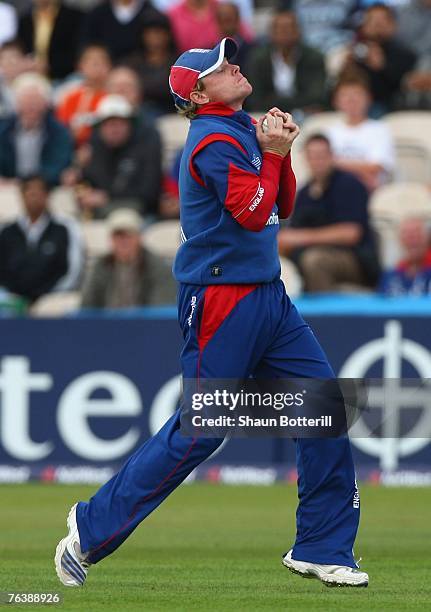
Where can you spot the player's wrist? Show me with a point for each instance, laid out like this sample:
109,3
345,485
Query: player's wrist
275,152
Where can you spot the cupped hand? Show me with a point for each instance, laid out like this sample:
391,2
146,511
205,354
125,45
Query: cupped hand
280,133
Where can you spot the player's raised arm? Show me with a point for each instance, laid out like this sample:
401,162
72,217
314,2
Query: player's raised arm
287,185
249,196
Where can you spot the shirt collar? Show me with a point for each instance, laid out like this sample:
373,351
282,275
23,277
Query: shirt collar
33,231
36,131
216,108
125,14
222,110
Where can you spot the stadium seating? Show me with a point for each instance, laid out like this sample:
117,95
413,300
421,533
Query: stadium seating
96,238
56,304
173,131
10,202
317,123
63,202
314,124
262,20
163,238
397,201
291,277
411,131
389,205
299,166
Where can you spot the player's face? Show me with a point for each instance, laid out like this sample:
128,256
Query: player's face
227,85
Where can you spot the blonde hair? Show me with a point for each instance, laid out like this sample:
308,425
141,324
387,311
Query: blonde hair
32,80
190,110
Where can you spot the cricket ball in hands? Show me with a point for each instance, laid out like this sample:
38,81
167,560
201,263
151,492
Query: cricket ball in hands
265,123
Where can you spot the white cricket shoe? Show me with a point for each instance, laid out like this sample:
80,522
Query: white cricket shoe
330,575
70,563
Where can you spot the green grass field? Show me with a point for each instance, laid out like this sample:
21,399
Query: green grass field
214,547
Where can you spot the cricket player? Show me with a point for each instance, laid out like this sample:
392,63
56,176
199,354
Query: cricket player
236,181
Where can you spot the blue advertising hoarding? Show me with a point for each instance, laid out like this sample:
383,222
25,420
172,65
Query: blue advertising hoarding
78,395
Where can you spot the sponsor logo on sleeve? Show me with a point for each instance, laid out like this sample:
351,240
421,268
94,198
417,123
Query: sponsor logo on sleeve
273,219
257,199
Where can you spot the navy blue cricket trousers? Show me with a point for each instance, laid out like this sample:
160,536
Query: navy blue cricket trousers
234,331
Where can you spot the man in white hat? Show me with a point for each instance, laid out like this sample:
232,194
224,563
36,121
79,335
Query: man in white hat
124,165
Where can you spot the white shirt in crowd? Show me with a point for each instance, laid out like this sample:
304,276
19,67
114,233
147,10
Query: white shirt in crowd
8,23
369,141
125,14
283,76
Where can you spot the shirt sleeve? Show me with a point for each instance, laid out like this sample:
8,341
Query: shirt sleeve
249,195
75,259
287,190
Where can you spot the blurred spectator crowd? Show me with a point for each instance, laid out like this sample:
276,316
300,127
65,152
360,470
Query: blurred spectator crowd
90,143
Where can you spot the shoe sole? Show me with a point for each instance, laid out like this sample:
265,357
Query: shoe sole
61,547
333,584
298,572
328,582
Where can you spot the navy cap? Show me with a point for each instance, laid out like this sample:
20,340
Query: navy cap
195,64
